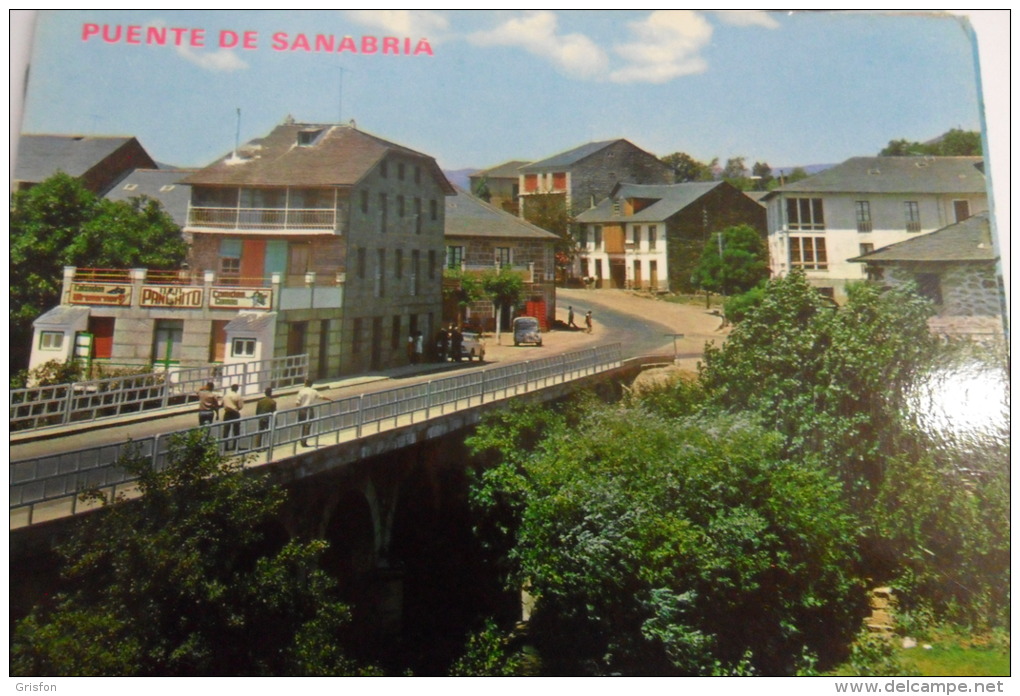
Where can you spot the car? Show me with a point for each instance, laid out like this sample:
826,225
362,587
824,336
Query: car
472,346
527,330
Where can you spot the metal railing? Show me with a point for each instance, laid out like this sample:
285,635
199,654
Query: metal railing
34,408
262,218
47,487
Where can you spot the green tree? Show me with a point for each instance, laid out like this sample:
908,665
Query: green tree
686,168
505,288
683,546
733,261
61,223
482,189
180,582
763,178
735,173
953,143
466,288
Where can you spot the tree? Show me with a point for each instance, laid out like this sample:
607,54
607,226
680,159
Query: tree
504,287
735,173
183,581
762,176
482,189
466,288
686,168
61,223
683,546
953,143
734,261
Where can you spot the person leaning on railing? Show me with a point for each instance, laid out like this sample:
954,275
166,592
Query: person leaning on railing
208,404
307,396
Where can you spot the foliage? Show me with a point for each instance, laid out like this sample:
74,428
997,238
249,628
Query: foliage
468,288
487,654
763,176
676,547
873,655
504,287
549,211
737,307
686,168
735,173
953,143
742,264
482,189
834,381
53,372
179,582
61,223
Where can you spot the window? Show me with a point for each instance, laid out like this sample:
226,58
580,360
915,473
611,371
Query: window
361,263
384,169
502,256
598,236
400,170
167,339
863,209
454,257
243,348
395,333
961,210
417,174
380,265
433,210
230,261
417,216
530,183
432,264
912,213
805,214
364,202
930,285
356,336
415,260
808,253
382,213
51,340
636,238
653,237
400,206
398,263
867,248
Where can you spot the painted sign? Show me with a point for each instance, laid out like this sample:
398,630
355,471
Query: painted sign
100,294
172,296
240,298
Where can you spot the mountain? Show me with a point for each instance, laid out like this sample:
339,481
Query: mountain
459,177
809,168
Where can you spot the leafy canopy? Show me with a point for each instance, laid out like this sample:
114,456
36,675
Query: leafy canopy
183,581
741,265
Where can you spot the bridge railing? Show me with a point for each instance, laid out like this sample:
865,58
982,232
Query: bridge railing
48,483
35,408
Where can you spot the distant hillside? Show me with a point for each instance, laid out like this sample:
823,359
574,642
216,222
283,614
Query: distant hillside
459,177
809,168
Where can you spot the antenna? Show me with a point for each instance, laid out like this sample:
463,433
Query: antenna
237,133
340,105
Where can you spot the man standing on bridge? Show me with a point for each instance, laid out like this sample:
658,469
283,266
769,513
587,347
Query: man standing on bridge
232,405
305,398
208,404
266,407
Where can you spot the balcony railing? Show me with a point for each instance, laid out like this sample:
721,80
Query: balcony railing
262,218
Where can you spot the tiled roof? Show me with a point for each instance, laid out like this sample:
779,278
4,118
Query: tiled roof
467,216
671,199
161,184
42,156
337,155
895,175
565,159
507,170
251,321
967,240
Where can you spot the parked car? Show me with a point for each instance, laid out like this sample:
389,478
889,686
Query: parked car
527,330
472,346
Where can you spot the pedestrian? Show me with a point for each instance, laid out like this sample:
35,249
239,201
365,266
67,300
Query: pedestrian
307,396
208,404
411,357
266,406
442,344
419,346
232,405
570,319
587,321
456,341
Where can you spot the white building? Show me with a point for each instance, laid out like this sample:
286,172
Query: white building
866,203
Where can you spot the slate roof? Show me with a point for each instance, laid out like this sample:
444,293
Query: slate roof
967,240
565,159
42,156
468,216
61,315
338,155
251,321
895,175
161,184
672,199
507,170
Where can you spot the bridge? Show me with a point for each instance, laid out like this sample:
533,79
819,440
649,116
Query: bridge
300,443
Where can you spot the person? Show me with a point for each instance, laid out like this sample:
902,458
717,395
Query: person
587,321
411,355
456,341
266,406
419,346
232,405
570,318
307,396
208,404
442,344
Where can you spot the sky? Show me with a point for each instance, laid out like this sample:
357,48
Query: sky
477,88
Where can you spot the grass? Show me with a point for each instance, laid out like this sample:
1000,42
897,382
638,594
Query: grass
954,652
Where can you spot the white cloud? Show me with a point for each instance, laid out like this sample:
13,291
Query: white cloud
223,60
747,18
665,45
574,54
412,23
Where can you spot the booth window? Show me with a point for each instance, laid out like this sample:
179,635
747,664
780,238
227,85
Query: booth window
243,348
51,340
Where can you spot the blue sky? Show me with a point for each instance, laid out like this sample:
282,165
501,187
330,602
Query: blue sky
783,88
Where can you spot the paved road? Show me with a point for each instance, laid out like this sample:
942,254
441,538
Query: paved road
638,323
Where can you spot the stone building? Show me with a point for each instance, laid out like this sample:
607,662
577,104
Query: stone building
317,239
651,237
502,183
98,162
480,238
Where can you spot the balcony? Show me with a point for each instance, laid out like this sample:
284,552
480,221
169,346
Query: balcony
526,271
317,220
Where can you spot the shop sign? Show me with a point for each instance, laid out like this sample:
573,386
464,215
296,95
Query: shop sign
176,296
100,294
240,298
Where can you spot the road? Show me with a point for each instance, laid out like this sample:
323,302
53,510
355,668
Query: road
639,323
